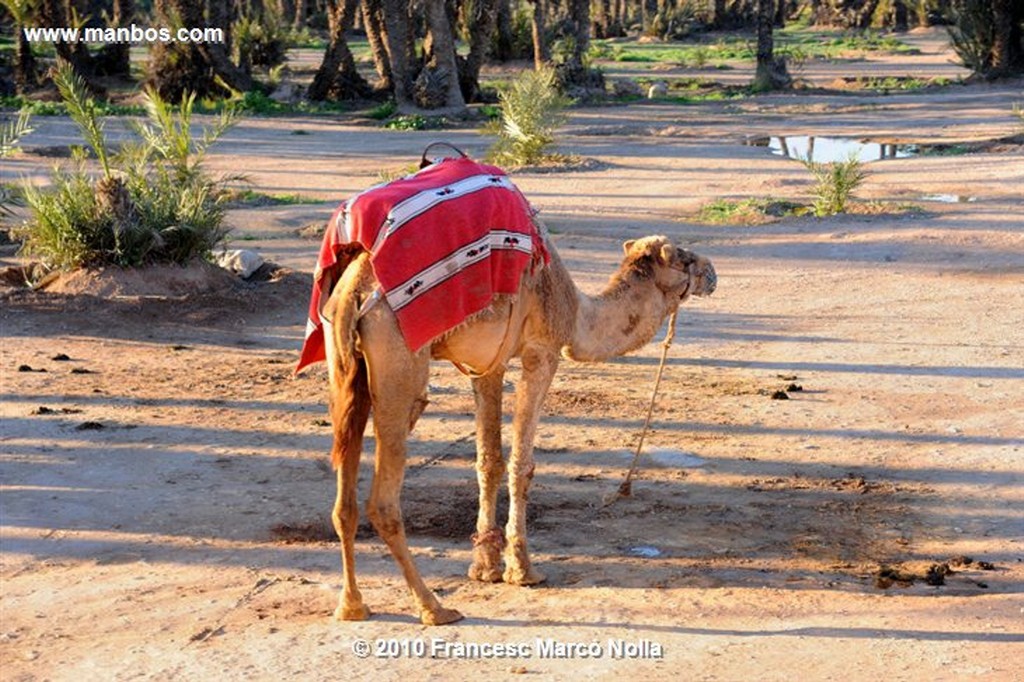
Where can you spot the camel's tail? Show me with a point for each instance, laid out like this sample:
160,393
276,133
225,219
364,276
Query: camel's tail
349,387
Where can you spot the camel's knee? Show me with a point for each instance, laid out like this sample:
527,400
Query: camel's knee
345,516
491,469
418,407
386,518
522,473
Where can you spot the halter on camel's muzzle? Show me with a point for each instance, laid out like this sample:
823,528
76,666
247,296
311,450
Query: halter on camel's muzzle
710,279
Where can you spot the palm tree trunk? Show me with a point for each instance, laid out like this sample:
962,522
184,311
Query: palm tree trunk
771,73
580,13
397,35
1006,50
541,50
217,54
503,43
337,78
373,21
55,14
442,67
176,68
114,59
481,20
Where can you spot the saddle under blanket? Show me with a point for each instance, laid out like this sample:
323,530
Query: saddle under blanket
442,242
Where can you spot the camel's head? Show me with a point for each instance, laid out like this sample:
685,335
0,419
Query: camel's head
676,271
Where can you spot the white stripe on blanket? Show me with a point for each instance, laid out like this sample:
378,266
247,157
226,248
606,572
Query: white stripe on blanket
471,253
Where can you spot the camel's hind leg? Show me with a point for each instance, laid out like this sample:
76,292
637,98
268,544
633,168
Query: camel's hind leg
398,382
490,468
346,517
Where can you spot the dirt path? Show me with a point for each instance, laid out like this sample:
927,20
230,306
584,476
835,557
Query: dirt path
165,515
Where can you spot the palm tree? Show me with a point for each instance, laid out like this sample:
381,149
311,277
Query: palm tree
175,68
25,73
771,72
337,77
480,18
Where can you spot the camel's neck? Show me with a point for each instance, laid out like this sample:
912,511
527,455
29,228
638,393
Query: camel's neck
623,317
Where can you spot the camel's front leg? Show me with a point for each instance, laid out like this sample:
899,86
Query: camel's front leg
490,467
539,367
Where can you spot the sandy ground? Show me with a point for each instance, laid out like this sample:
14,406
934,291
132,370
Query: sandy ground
165,489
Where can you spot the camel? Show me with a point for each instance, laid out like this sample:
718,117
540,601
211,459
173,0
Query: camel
370,366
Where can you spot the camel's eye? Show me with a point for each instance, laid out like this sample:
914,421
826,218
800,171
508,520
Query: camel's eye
686,257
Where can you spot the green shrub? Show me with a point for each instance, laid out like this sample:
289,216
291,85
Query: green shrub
973,33
154,202
10,133
835,183
531,110
260,39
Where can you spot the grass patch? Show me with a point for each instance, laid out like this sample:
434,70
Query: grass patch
748,211
800,41
383,111
885,208
391,174
898,83
408,122
40,108
248,198
253,102
762,211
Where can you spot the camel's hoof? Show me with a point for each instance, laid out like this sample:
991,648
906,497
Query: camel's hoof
441,616
530,576
485,574
357,612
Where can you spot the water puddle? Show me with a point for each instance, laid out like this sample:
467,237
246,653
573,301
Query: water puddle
828,149
644,552
949,198
675,458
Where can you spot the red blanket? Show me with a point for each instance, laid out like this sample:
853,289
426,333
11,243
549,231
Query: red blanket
442,243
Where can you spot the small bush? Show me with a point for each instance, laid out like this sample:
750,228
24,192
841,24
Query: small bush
153,202
11,133
836,182
260,39
531,110
973,33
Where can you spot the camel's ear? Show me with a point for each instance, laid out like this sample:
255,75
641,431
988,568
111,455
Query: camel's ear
627,246
667,251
